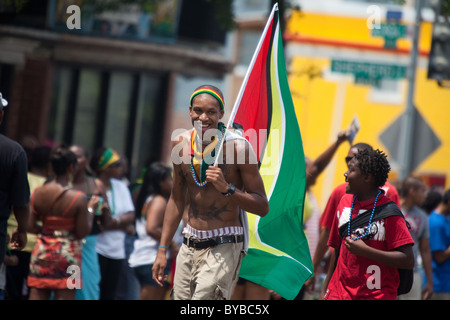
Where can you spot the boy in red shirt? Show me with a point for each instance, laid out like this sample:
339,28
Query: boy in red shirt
369,257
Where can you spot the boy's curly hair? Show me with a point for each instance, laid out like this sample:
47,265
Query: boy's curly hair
374,162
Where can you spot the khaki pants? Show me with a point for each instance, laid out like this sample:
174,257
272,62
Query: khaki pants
206,274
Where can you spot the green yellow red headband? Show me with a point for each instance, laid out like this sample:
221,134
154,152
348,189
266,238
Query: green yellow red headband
108,158
211,92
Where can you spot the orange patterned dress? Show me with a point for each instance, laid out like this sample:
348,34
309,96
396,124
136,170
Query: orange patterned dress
55,251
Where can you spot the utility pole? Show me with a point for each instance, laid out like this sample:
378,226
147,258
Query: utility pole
409,116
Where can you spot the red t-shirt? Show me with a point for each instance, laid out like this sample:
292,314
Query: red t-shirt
357,277
327,217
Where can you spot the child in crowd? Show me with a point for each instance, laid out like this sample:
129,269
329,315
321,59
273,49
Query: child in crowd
368,257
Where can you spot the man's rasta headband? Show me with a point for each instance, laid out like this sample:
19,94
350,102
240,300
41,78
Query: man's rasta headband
108,158
211,92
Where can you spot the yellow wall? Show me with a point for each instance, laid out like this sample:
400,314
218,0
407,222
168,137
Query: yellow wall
323,107
346,29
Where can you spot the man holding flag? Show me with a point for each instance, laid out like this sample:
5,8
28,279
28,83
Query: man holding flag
210,256
278,256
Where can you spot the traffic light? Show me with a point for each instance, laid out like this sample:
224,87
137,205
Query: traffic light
439,59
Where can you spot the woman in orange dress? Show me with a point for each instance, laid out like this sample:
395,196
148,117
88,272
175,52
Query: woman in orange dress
66,217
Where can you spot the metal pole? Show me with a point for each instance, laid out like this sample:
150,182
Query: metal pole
409,115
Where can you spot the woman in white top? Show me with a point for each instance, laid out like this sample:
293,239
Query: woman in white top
150,206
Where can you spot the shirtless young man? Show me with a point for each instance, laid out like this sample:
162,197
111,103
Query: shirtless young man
210,256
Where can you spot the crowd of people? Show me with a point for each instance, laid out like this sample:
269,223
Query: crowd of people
82,213
93,236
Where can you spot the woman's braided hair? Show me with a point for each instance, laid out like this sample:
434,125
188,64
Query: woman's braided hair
374,162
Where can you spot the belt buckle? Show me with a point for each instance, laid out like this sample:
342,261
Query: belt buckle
191,242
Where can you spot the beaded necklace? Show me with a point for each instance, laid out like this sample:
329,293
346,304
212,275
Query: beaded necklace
370,220
200,184
210,154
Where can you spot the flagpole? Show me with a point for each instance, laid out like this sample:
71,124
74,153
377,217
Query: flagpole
244,83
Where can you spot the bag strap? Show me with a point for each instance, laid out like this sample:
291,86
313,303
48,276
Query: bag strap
382,211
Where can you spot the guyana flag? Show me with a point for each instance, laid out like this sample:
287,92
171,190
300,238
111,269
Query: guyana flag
278,257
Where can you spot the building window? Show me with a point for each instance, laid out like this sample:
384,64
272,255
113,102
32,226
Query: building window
251,9
117,117
250,40
148,132
88,98
118,109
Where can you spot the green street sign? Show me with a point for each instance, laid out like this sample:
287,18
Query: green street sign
390,32
374,82
369,70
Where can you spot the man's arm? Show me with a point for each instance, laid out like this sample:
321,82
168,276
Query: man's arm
19,236
20,197
441,255
321,248
439,250
329,273
324,159
425,252
253,199
326,223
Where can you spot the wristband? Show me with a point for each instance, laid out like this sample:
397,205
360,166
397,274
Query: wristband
163,247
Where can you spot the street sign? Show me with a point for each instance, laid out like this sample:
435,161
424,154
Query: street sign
394,15
368,70
425,140
390,32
